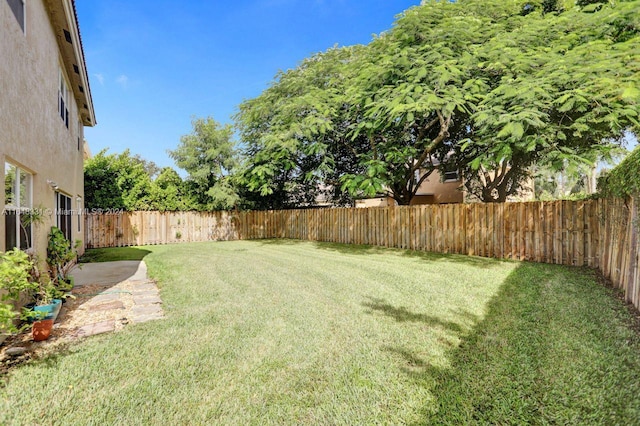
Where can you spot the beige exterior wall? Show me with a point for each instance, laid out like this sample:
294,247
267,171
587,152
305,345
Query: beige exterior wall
33,136
375,202
442,192
432,191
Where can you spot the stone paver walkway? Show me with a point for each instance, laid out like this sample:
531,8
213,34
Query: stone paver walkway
108,296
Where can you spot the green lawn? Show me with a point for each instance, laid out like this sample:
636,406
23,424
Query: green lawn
287,332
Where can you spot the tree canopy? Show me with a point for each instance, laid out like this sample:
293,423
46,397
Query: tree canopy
209,155
495,89
624,179
123,181
491,87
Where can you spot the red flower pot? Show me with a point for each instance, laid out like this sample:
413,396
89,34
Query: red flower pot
42,329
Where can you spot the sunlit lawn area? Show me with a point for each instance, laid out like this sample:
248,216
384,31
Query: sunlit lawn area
288,332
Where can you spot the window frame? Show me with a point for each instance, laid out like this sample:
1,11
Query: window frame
63,97
79,212
23,236
64,212
449,179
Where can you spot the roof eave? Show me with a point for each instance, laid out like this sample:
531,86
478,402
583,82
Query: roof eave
64,19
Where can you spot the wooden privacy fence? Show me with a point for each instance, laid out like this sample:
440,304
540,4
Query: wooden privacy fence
597,233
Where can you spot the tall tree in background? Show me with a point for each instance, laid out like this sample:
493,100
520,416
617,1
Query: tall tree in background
561,90
117,181
125,181
296,134
492,87
170,192
411,91
209,155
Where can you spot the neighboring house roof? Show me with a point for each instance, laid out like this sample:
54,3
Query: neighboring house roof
64,20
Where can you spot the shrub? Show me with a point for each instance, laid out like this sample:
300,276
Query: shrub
61,256
16,269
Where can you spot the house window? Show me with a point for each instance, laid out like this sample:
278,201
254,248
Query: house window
63,214
80,136
63,99
79,210
451,176
416,176
17,7
17,199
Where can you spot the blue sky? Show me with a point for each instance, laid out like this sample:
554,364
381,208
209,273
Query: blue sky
153,65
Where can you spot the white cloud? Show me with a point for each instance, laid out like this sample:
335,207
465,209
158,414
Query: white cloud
122,80
100,78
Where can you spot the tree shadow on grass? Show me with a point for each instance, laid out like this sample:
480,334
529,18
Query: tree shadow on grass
475,261
402,314
279,242
421,255
543,354
359,249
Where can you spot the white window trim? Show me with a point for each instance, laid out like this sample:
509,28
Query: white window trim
457,178
19,209
79,212
69,213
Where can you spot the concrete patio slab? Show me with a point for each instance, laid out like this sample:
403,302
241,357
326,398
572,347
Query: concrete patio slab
109,272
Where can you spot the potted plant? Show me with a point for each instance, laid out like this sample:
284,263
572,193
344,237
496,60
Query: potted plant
48,300
41,329
45,311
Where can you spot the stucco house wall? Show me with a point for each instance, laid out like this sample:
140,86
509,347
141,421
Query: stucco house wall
433,190
33,136
436,191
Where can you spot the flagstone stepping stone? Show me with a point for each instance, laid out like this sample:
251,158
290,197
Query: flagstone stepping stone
145,287
145,318
146,310
96,328
147,300
105,298
145,293
114,304
16,351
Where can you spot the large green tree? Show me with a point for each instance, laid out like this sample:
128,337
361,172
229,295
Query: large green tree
561,89
296,134
116,181
492,87
210,157
129,182
171,193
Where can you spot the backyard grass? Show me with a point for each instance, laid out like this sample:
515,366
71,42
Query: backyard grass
288,332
